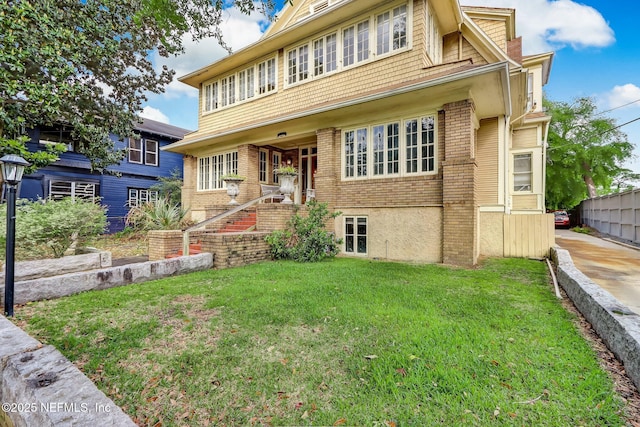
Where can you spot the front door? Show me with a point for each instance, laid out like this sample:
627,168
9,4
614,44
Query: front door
308,166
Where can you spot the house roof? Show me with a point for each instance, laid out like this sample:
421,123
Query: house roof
161,129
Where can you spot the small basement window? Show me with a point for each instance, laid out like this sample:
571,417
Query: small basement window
355,235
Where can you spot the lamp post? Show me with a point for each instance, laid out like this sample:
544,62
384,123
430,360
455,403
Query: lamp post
12,170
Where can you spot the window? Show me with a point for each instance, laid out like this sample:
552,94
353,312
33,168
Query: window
391,38
240,86
267,76
348,46
212,168
522,173
363,41
74,189
376,151
143,151
263,164
135,150
277,158
420,145
355,235
150,152
140,196
298,64
434,39
57,134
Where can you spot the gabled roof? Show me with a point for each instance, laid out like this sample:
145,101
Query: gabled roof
161,129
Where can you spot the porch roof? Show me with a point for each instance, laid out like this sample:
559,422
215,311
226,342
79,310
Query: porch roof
487,85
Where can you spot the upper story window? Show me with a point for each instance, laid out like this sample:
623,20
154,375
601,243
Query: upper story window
398,148
57,134
143,151
356,43
391,27
259,79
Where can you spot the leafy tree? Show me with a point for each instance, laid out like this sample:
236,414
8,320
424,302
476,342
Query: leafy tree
585,153
170,187
86,63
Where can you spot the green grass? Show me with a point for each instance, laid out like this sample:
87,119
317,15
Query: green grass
344,341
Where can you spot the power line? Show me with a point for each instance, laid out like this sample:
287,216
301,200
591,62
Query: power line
619,106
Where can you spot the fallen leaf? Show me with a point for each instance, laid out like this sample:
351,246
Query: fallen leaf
370,357
305,415
402,372
284,361
495,363
299,405
340,422
390,424
513,414
496,412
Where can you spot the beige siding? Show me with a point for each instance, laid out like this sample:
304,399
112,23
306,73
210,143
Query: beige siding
496,30
525,138
487,160
378,75
525,202
529,236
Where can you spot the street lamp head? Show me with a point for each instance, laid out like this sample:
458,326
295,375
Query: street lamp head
12,168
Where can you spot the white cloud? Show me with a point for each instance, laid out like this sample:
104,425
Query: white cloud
154,114
551,25
238,29
626,95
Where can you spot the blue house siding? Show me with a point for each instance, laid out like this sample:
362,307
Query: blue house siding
74,170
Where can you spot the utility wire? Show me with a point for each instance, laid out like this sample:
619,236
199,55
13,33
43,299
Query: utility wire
619,106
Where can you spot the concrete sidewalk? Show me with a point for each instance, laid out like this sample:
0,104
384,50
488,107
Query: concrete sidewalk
614,267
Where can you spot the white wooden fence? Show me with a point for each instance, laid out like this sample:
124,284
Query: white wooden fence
616,214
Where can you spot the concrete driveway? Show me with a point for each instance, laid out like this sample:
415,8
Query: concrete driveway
613,267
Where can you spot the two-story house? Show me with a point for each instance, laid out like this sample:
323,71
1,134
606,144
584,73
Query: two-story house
419,120
128,183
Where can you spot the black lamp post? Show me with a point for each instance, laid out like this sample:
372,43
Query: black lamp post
12,170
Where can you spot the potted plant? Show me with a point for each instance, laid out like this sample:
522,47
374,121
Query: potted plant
232,182
287,176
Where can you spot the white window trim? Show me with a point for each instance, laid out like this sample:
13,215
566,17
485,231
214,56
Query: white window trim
264,152
156,152
531,172
223,159
402,155
356,235
215,103
73,185
140,151
139,196
373,56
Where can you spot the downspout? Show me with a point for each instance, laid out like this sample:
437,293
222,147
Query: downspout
460,41
507,161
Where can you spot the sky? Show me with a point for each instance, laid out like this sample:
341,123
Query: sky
596,55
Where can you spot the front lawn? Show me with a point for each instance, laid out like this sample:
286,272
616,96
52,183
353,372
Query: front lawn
341,342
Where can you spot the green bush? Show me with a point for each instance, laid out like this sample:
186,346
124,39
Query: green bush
306,238
159,215
47,228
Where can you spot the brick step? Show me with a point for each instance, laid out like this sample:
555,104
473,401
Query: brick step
194,248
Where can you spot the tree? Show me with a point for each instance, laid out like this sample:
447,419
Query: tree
585,153
86,63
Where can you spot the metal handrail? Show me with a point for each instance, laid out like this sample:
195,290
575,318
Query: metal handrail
185,232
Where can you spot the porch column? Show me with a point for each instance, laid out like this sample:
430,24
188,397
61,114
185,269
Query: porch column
189,179
460,216
328,172
248,167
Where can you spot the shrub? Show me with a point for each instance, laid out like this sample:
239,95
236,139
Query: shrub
159,215
170,187
306,238
48,228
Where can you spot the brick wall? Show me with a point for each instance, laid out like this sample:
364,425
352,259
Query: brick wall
273,216
165,242
460,229
236,249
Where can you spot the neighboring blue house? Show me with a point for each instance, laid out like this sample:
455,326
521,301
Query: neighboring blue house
71,175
